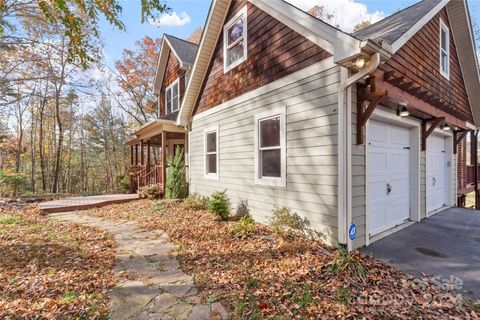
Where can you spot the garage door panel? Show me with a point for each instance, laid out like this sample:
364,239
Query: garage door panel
388,168
436,181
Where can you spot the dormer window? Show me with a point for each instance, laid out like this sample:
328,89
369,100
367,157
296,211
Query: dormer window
172,97
235,40
444,50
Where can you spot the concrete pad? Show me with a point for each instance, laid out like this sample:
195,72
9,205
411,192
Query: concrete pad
446,245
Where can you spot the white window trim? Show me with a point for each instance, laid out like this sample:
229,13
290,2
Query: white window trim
226,67
445,28
167,111
271,181
213,176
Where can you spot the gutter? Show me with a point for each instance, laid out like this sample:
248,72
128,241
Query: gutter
345,147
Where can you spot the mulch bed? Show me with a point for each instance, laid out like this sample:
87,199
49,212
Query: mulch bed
267,275
52,270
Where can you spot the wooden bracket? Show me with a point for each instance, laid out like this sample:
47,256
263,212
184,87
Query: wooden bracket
427,132
458,136
363,114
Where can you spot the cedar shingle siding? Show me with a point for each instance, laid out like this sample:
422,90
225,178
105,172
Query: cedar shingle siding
172,73
274,51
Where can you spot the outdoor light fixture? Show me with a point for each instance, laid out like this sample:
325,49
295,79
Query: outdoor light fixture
360,63
404,112
446,127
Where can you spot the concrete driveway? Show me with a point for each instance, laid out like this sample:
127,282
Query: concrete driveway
446,244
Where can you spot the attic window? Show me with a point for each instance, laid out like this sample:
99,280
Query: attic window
172,97
444,50
235,40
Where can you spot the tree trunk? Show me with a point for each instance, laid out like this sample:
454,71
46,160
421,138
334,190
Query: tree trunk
58,152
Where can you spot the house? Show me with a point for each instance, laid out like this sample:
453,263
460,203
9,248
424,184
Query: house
361,133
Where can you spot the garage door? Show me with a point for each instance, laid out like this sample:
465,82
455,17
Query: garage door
436,173
388,174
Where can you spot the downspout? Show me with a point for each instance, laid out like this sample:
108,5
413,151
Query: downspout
345,147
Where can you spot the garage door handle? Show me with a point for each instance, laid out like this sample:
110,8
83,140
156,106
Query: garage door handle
434,181
389,188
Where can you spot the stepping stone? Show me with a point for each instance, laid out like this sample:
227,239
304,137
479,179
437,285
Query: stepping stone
129,298
200,312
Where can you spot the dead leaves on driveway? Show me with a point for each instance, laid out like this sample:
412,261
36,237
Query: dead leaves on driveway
273,276
50,270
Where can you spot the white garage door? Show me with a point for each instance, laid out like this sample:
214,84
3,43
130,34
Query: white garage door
436,173
388,172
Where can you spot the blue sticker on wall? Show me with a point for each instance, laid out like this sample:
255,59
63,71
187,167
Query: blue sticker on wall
352,232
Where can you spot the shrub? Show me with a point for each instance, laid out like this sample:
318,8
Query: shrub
176,185
12,184
196,201
242,209
219,204
243,227
285,220
347,263
123,182
150,192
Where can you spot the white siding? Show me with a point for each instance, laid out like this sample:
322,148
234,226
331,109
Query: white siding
311,137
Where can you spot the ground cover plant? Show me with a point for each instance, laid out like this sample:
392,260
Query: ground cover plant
277,275
52,270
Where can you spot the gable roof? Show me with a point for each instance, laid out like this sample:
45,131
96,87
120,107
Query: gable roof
184,51
340,44
396,26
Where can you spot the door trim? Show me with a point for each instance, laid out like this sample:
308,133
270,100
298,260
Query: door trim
386,116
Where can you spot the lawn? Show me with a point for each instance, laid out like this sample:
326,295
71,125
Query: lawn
51,270
261,274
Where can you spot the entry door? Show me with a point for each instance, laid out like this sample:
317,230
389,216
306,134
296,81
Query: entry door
436,173
388,174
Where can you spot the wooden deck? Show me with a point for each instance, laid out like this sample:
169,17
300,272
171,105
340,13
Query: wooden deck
83,203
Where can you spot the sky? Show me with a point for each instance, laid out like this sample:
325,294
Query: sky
187,15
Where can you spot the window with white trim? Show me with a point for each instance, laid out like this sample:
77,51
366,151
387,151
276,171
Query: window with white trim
444,50
172,97
235,40
211,152
270,148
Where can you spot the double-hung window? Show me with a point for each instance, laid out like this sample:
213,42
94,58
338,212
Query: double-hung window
211,152
172,97
235,40
444,50
270,148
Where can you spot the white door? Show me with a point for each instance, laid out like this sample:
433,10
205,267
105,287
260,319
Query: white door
436,173
388,173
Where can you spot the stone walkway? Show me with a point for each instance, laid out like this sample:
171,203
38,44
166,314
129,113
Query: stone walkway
161,290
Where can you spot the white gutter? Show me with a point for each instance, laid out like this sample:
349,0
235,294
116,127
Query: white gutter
345,147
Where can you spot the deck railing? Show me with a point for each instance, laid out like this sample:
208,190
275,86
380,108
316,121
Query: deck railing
142,175
471,173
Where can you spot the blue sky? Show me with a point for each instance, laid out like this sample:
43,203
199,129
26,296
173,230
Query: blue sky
197,11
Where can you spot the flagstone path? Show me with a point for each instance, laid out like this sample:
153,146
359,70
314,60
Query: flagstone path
161,290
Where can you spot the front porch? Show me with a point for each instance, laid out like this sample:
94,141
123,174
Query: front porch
150,151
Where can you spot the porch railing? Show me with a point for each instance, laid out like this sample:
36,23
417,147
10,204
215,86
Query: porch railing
470,174
142,175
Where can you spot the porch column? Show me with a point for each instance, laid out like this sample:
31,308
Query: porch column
164,160
148,155
131,155
136,154
141,153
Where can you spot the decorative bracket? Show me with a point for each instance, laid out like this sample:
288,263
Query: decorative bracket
363,114
426,133
458,136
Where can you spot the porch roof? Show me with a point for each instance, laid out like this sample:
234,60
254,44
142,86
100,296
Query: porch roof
152,129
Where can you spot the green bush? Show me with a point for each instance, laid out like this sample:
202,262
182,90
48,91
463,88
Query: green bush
219,204
347,263
150,192
243,227
285,220
196,201
242,209
176,185
13,184
123,182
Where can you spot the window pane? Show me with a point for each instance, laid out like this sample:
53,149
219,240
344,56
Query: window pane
169,94
235,53
175,90
212,142
270,132
175,104
271,163
444,62
236,31
211,163
443,39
